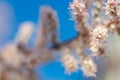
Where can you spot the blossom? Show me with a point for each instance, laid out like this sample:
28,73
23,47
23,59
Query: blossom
69,62
112,7
88,67
97,38
78,8
100,32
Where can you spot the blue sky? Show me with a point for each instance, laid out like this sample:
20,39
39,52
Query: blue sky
28,10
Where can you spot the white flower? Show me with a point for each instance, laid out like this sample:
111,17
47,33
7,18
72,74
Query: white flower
78,7
98,37
88,67
100,32
69,62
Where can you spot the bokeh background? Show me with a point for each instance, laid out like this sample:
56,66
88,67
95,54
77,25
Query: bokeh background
15,12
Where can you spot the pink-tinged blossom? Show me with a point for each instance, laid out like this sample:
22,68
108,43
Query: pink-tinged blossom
78,7
113,7
97,38
100,32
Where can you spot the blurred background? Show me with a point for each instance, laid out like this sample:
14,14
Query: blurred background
15,12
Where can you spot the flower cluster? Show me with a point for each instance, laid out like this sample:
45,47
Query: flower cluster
97,38
69,62
93,38
85,63
78,7
113,7
89,67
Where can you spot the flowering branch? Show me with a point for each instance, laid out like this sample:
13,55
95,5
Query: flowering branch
18,56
